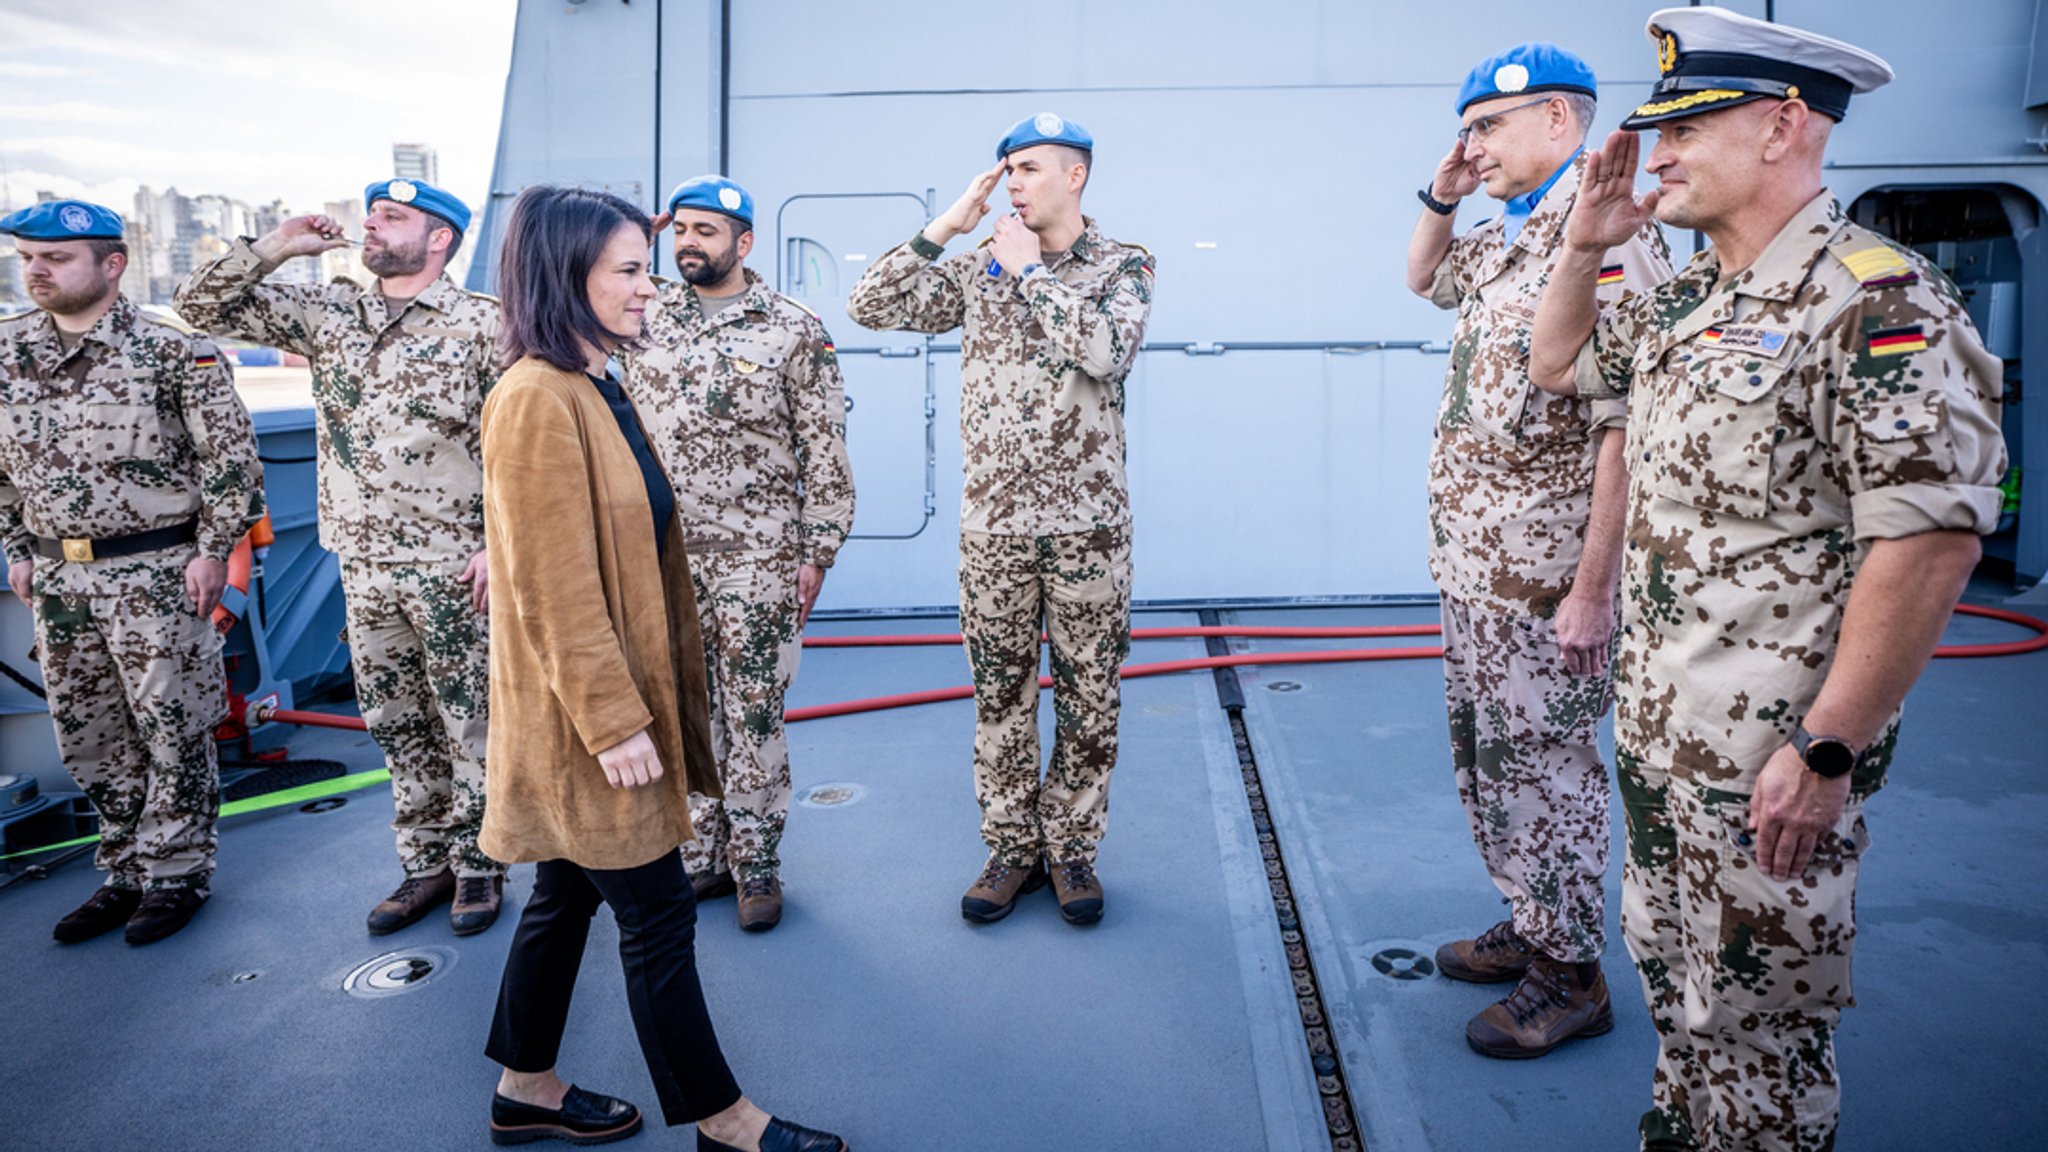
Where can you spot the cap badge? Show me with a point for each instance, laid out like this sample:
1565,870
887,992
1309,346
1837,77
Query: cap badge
1667,53
74,218
1049,124
1510,78
403,191
729,198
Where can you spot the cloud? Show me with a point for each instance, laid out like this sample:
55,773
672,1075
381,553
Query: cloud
67,112
295,99
24,70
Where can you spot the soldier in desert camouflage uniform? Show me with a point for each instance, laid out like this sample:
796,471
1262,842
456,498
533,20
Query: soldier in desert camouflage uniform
399,375
739,390
1525,515
1814,449
1053,314
127,473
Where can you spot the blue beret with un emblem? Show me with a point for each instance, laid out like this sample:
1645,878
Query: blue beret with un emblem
63,220
421,195
1526,68
714,194
1045,128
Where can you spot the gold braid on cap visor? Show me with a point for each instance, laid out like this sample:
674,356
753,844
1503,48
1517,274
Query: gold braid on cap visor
1690,100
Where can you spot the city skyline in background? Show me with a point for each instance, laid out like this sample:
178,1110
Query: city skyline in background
171,233
199,120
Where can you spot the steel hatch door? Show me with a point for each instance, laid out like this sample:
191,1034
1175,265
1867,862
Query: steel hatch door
824,241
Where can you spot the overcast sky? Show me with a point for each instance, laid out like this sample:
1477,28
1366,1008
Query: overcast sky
280,99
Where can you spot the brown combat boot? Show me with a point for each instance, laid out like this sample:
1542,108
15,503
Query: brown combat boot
1551,1005
1079,891
996,890
760,903
412,899
477,899
1498,955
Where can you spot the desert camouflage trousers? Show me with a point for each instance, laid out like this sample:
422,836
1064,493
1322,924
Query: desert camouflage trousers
746,603
1746,977
135,686
1529,774
1078,588
422,664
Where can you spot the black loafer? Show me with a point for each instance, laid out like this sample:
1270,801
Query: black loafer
781,1136
583,1118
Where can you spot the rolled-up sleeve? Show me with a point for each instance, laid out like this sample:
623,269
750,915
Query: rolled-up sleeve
1917,424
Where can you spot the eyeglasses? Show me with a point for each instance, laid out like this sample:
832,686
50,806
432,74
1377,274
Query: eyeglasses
1477,131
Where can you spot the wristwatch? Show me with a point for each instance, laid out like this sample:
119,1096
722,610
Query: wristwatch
1828,757
1433,204
1028,269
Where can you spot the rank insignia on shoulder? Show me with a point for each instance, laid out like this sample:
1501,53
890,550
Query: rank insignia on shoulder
1612,274
1878,266
1898,341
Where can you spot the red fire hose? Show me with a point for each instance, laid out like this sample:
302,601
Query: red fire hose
1134,671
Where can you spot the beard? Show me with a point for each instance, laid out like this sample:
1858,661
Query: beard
396,259
62,303
708,270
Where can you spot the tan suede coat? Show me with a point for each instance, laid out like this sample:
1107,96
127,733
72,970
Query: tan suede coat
593,638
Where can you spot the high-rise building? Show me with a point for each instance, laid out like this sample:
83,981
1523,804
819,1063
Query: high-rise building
345,261
416,162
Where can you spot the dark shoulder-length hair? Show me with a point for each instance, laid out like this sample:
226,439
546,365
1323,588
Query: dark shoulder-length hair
552,241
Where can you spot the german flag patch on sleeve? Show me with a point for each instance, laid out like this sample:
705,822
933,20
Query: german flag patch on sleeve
1898,341
205,360
1612,274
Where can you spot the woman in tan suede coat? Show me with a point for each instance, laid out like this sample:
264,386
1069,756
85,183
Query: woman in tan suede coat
600,720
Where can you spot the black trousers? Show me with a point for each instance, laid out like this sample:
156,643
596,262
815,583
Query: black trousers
657,916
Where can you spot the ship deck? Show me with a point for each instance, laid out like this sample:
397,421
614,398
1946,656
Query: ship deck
1176,1023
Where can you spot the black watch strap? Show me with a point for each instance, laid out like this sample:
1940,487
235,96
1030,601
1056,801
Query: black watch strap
1433,204
1828,757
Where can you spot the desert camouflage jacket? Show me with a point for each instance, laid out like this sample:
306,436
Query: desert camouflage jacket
1043,362
1511,471
748,414
397,398
1832,394
137,428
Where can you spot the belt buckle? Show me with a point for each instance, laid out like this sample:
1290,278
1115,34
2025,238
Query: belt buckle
78,551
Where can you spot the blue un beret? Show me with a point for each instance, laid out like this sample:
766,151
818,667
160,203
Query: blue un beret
1045,128
1537,67
714,194
63,220
421,195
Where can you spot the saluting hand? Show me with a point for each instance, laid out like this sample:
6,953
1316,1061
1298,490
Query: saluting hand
301,236
967,211
1455,177
1607,212
631,762
1015,245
